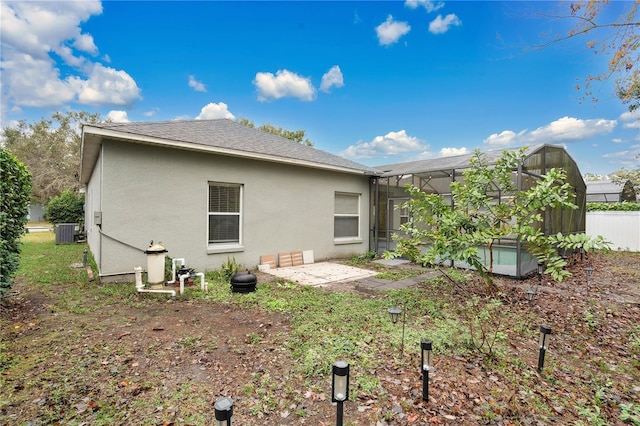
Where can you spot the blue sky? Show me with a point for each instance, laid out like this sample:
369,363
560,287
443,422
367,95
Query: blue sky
377,82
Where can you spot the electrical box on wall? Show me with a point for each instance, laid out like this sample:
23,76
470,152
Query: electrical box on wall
97,218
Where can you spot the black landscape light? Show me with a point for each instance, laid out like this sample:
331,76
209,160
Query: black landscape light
224,410
425,364
540,272
533,292
340,387
544,345
394,314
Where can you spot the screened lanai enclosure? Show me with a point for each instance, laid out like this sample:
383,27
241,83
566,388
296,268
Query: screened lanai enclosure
434,176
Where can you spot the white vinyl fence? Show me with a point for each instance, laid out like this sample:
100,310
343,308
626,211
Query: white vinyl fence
622,229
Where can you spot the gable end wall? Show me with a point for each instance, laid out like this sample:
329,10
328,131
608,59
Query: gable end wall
152,193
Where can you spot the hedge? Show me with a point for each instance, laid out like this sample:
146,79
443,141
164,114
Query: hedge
15,190
625,206
67,207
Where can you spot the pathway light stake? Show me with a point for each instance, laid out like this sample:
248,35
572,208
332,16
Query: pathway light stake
533,292
340,387
540,272
588,271
425,364
394,314
544,344
224,410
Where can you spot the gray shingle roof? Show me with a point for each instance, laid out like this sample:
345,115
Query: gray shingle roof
233,136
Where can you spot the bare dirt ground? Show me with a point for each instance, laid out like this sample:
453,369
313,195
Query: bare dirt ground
152,364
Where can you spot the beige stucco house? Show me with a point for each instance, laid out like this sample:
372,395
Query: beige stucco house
210,190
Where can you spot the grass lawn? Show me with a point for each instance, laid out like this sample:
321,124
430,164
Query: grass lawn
80,352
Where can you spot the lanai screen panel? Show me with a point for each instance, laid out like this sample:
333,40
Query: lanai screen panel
434,176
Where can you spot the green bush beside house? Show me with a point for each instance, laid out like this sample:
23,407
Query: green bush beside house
15,190
68,207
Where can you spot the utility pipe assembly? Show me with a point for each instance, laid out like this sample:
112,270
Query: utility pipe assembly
140,285
203,283
173,269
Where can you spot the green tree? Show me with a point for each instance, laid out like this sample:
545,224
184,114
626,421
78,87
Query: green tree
618,39
437,231
50,149
297,136
15,186
624,175
588,177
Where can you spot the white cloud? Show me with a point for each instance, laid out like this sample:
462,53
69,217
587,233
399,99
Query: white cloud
619,154
631,119
572,129
213,111
151,112
36,28
39,41
390,144
448,152
502,139
565,129
441,26
429,5
85,43
106,86
629,159
197,85
118,116
390,31
33,82
332,78
283,84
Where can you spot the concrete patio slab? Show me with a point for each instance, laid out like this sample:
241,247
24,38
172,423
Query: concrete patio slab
321,273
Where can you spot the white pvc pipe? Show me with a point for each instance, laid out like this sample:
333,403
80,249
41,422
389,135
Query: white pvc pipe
140,285
203,283
182,278
173,269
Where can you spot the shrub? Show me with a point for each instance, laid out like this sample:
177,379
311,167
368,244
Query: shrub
15,189
621,206
67,207
229,268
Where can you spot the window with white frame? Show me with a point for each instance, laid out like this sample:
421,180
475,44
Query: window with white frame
346,220
225,214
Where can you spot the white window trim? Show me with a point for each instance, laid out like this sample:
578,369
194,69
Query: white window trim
349,240
213,248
